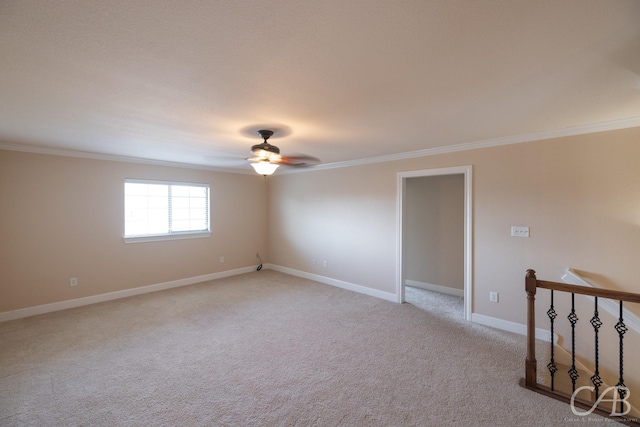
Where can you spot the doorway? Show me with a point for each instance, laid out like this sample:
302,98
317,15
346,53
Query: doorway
407,183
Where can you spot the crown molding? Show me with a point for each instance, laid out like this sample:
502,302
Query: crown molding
495,142
35,149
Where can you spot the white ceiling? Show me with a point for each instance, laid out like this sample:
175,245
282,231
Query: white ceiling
342,80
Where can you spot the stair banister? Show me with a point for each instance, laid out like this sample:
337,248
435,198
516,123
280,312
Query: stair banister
530,380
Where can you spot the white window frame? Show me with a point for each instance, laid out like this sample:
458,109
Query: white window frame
171,235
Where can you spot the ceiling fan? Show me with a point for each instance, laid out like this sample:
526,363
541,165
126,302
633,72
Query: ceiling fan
267,158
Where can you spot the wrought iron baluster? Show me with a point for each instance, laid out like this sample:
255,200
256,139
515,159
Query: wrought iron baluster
573,318
552,363
621,328
596,323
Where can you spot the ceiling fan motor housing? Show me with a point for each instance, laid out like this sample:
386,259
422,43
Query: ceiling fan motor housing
258,149
265,149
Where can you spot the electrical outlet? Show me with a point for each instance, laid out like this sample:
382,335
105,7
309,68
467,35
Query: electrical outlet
221,259
314,261
493,296
73,281
519,231
325,263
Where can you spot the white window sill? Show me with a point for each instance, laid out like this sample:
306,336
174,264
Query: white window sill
175,236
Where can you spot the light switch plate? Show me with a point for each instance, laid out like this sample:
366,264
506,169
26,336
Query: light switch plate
519,231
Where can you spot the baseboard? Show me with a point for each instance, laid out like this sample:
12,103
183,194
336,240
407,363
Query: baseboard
78,302
505,325
436,288
334,282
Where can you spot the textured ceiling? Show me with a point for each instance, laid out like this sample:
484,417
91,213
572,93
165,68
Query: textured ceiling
191,81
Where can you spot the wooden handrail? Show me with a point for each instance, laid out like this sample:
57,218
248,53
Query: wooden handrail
594,292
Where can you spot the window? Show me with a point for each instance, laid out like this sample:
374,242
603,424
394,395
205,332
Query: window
156,210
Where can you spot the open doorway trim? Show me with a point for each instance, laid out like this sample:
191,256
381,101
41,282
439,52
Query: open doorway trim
468,224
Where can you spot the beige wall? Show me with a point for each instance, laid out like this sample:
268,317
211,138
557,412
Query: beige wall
62,217
434,230
345,216
579,195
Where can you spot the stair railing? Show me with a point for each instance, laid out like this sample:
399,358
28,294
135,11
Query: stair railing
530,380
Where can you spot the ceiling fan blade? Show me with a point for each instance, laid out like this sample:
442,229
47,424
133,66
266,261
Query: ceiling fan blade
299,161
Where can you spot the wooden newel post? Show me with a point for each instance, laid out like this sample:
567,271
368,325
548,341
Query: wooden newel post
530,285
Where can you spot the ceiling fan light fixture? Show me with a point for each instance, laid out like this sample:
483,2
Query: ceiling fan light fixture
267,156
264,167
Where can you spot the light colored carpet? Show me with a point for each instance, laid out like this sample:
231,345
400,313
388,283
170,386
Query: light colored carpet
443,305
266,349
